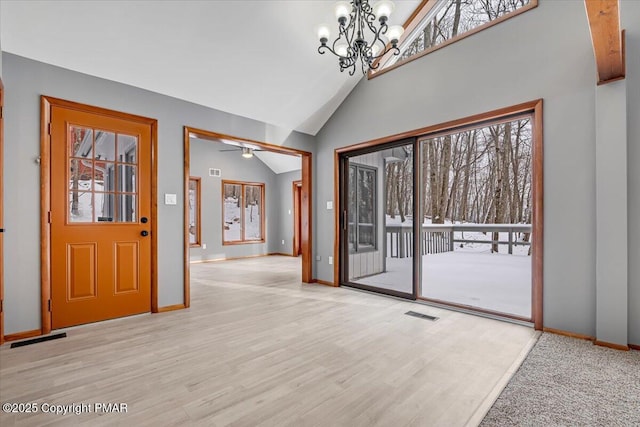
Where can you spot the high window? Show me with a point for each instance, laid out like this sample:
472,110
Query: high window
442,22
242,212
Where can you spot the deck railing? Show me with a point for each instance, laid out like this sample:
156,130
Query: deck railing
438,238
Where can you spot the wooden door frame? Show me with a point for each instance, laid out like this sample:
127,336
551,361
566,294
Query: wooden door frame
297,187
306,238
46,104
1,212
532,107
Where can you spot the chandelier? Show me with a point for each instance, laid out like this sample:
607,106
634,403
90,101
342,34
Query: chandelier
358,36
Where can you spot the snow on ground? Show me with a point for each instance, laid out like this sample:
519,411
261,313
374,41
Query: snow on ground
232,226
471,275
232,221
496,282
85,203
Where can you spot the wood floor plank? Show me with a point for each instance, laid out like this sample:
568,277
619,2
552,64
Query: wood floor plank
258,347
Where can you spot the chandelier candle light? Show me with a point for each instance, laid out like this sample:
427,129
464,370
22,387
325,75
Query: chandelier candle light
358,36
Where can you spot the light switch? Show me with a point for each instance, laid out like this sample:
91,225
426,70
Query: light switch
170,199
329,205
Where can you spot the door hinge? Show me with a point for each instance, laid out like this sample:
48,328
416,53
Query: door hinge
1,112
49,305
49,128
1,306
49,217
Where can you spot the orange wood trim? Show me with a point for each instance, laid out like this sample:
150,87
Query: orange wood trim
537,251
490,116
1,212
607,39
214,136
533,108
46,102
409,26
296,216
568,334
154,213
198,182
307,223
187,166
171,308
324,282
280,254
243,184
45,208
98,110
611,345
23,335
634,347
307,218
337,261
531,5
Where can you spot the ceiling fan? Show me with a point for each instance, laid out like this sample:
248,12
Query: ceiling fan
247,152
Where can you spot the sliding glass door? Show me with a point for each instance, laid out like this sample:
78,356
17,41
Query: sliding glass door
378,249
446,217
477,205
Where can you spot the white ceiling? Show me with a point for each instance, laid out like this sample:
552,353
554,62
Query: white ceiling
254,58
277,162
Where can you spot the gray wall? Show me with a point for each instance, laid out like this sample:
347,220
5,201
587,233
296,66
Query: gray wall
284,184
25,80
630,11
278,201
544,53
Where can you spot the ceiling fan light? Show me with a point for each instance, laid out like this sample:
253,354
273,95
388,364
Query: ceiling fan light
247,153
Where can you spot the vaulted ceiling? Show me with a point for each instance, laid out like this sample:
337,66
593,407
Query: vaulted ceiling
254,58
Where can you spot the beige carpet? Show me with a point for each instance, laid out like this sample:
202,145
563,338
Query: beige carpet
570,382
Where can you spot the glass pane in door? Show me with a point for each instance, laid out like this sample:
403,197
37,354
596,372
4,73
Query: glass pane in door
380,216
476,230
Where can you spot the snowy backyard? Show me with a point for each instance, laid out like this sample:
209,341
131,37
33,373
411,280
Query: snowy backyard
469,275
233,221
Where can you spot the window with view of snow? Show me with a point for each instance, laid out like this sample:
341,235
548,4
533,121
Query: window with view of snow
242,212
194,211
446,20
362,208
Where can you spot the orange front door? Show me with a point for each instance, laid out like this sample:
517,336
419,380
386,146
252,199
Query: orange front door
100,217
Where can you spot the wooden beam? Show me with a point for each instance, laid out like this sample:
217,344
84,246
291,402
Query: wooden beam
607,39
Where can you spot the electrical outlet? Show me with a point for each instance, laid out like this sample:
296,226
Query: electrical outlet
330,260
283,242
204,246
318,258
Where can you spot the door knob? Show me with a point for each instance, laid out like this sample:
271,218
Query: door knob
144,220
144,233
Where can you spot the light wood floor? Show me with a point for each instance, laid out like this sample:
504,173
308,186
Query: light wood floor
259,348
